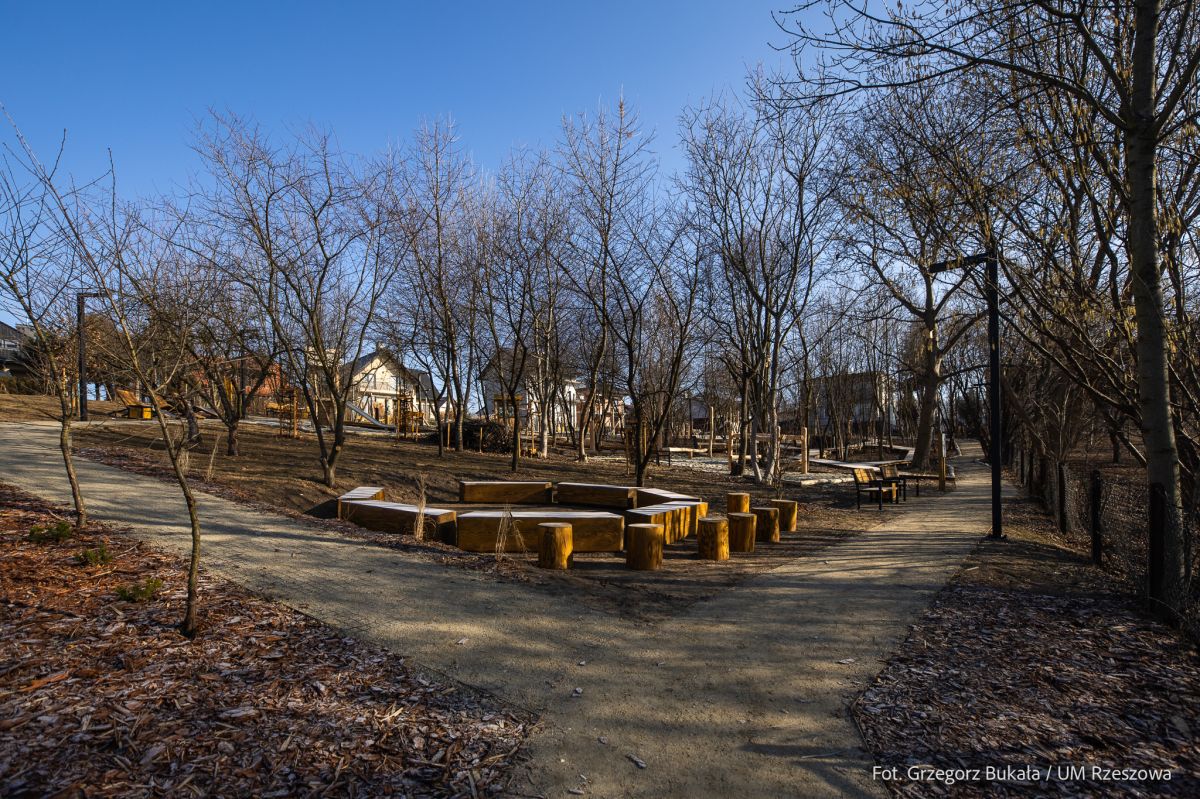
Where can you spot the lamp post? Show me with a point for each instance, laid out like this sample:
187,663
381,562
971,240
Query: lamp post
80,301
992,293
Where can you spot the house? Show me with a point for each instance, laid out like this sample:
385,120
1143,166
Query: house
11,344
862,400
564,411
385,387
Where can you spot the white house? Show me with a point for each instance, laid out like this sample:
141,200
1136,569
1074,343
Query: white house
384,387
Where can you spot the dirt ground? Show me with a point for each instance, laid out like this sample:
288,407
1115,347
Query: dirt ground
18,407
282,474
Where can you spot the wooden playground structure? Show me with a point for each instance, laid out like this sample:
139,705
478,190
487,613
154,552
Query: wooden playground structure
555,521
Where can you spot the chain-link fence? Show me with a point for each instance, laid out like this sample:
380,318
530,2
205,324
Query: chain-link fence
1109,510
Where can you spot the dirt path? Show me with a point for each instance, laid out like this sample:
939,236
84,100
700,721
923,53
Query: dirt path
743,695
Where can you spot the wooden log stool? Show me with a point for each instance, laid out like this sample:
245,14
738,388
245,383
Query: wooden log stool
767,529
644,547
788,509
556,546
737,503
741,531
713,538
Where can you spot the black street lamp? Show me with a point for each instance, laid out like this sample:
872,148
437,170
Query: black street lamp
80,300
992,292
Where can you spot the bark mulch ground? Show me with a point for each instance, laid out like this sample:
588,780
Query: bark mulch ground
1032,660
101,696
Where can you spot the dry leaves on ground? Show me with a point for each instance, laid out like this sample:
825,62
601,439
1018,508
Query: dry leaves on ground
992,676
102,697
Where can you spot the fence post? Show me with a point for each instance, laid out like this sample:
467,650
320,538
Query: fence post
1063,526
1095,494
1157,534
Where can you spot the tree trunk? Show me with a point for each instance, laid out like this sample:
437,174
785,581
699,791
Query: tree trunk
64,444
231,439
929,398
1157,422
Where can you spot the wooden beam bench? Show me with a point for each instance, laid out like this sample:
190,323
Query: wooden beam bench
506,492
603,496
360,493
396,517
674,519
591,531
657,496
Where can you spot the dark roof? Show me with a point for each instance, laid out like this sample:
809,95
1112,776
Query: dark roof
421,378
10,333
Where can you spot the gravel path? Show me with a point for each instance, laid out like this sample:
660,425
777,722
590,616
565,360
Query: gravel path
743,695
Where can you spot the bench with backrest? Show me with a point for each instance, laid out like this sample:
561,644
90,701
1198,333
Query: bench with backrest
890,475
865,482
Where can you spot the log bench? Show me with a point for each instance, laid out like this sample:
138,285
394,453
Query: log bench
596,494
695,509
396,517
505,492
591,531
360,493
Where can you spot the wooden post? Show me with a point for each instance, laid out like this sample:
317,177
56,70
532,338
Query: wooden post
768,525
788,511
741,531
712,429
942,463
644,547
557,545
1063,524
713,538
737,503
804,450
1095,518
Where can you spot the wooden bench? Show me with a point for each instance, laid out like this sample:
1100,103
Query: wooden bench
866,483
396,517
591,531
603,496
673,519
657,496
918,477
696,509
506,492
360,493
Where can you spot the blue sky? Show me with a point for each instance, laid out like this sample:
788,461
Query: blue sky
136,77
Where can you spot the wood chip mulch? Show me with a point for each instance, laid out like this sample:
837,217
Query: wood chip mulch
993,677
103,697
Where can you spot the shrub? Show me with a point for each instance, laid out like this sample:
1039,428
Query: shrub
51,534
94,557
140,592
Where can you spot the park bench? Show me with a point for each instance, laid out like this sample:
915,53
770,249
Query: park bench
396,517
506,492
866,483
604,496
918,477
591,531
889,475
